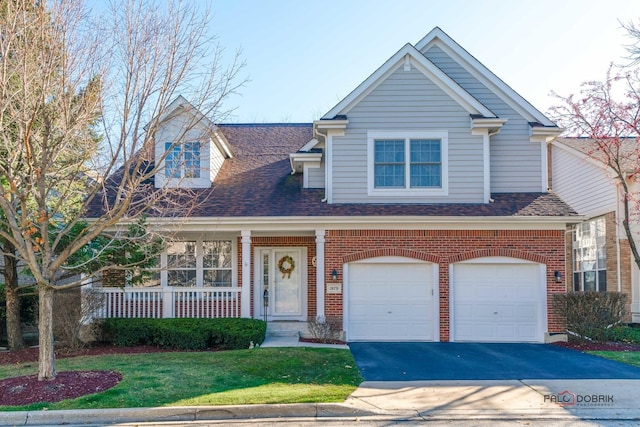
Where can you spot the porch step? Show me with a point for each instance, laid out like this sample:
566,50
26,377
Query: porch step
283,333
286,329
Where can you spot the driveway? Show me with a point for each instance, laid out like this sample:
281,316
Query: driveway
410,361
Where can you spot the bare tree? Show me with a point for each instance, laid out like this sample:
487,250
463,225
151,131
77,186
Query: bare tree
608,113
80,102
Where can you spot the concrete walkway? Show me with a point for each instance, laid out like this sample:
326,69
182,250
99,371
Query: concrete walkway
388,400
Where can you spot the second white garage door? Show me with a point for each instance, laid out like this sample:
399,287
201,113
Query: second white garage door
498,300
391,299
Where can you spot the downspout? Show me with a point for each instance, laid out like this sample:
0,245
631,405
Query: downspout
316,132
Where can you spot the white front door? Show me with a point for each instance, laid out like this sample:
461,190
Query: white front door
280,279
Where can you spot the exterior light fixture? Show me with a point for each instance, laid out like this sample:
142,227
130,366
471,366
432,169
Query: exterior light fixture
558,275
334,274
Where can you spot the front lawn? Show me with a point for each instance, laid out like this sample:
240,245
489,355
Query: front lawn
264,375
629,357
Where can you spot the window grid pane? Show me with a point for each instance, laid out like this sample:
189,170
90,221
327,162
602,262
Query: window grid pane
426,165
389,164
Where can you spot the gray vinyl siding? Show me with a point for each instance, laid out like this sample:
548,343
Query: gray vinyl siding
516,162
316,176
583,185
407,101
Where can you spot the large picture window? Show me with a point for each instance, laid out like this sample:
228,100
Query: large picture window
182,160
590,256
410,162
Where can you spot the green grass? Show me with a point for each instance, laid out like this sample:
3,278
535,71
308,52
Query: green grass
264,375
629,357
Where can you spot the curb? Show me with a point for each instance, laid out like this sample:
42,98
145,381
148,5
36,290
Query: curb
183,413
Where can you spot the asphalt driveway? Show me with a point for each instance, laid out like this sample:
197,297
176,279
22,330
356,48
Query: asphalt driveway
411,361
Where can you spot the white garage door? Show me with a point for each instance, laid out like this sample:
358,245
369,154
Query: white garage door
391,299
498,302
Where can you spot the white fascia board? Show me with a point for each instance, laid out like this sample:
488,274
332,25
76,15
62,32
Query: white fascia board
544,134
330,124
309,145
304,158
308,224
493,125
428,68
439,38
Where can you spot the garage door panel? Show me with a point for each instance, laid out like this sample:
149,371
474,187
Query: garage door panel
496,302
390,301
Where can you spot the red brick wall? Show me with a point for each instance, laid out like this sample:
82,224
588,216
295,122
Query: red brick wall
445,247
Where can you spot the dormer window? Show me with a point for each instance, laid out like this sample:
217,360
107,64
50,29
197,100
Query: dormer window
183,160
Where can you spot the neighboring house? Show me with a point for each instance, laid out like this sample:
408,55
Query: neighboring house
598,253
415,209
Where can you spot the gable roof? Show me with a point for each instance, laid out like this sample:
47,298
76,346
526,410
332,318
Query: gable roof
437,37
409,55
181,105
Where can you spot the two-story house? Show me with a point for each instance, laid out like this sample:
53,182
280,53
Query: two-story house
415,209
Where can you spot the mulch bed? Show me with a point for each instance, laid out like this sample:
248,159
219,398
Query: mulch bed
599,346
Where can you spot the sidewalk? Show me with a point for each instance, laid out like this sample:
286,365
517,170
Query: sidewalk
433,400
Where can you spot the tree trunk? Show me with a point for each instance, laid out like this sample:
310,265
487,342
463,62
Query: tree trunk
10,272
47,357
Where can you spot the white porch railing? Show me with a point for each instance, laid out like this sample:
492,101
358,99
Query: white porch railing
170,302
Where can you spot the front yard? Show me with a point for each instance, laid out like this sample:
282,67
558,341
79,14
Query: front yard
262,375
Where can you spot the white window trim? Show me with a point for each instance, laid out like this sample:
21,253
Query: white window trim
443,136
164,270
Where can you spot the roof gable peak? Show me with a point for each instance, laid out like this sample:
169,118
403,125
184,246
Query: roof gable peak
406,57
437,37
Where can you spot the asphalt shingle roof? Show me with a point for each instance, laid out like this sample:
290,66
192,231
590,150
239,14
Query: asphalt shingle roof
257,182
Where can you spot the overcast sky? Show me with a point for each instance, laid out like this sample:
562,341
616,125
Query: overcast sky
304,56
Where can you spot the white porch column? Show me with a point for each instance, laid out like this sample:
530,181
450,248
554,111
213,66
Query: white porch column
320,274
245,308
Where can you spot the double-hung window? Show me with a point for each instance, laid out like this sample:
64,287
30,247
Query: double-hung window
216,263
411,163
590,256
181,264
182,160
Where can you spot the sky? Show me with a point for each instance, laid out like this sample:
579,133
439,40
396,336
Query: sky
303,56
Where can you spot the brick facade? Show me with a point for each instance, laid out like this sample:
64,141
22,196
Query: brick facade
445,247
442,247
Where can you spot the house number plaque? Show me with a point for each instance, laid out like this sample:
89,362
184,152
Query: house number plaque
334,288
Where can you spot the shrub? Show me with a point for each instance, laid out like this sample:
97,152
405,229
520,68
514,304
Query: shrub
626,334
185,334
590,315
327,330
73,309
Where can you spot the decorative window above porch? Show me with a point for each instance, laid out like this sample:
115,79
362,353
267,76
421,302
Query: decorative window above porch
408,163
